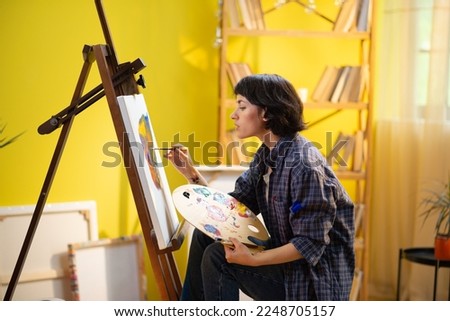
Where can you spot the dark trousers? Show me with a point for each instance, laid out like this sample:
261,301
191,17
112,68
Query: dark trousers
210,277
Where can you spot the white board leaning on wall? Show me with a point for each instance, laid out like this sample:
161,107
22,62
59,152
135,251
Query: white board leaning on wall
44,272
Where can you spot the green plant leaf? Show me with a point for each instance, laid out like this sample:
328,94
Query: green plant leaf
438,203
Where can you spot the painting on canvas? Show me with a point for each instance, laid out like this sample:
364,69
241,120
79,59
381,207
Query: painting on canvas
150,167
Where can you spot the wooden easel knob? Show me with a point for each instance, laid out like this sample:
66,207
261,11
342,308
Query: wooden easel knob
141,81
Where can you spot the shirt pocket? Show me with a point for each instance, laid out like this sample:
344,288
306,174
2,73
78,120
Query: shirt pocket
280,216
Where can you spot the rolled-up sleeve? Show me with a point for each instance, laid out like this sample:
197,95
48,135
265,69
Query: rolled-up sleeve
312,214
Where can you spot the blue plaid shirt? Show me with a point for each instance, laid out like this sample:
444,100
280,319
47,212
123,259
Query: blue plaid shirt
308,207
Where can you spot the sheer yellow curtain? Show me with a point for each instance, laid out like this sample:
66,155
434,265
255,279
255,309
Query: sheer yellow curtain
412,142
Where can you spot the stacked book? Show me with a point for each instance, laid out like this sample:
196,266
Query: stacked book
236,71
353,16
246,13
348,152
341,84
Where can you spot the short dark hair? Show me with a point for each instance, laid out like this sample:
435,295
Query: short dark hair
278,98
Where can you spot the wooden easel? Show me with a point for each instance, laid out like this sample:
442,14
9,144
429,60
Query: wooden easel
116,80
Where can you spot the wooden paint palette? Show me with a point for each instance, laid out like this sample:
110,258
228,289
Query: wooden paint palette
219,215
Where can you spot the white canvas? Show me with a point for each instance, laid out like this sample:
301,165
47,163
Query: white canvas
44,270
150,170
107,270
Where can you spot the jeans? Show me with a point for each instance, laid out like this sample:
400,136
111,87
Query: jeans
210,277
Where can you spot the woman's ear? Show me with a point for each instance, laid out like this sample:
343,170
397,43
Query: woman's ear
264,118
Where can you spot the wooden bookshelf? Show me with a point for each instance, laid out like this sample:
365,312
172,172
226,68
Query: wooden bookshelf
353,25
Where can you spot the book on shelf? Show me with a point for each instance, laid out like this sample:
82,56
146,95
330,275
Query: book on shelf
336,151
320,86
362,23
245,70
329,89
352,85
347,16
233,13
245,14
326,77
340,84
364,85
251,13
359,151
348,152
231,74
347,155
360,84
326,84
236,71
259,14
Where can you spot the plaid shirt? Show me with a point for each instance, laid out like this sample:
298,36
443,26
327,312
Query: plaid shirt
308,207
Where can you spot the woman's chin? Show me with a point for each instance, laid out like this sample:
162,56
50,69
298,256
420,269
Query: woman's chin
239,136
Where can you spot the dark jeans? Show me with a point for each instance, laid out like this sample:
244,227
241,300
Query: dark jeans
210,277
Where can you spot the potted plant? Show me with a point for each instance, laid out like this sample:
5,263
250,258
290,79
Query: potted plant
438,204
6,141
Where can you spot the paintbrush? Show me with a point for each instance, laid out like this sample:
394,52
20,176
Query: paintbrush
167,148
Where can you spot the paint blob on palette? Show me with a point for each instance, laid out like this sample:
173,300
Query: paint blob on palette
219,215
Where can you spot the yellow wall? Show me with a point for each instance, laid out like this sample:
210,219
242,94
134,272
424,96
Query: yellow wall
40,65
